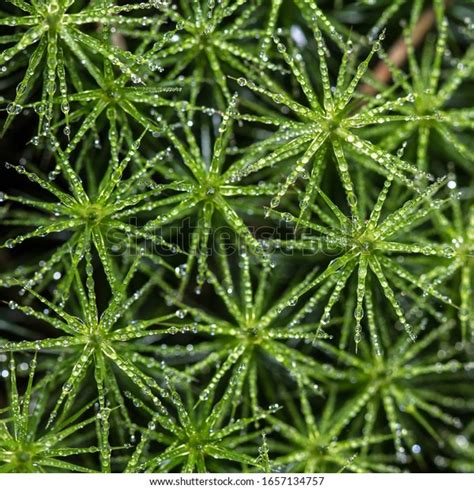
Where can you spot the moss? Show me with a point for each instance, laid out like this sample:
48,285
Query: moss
236,236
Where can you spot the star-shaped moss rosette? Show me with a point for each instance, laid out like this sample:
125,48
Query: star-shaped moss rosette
394,384
100,213
25,444
206,193
201,436
369,247
253,334
313,441
124,104
105,341
327,128
456,226
433,90
49,41
214,40
162,236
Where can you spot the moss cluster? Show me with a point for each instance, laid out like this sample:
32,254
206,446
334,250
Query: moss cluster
237,235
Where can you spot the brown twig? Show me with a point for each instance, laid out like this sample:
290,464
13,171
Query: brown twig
398,53
118,40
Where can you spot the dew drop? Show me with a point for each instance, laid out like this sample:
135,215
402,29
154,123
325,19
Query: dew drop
14,109
416,449
181,314
452,184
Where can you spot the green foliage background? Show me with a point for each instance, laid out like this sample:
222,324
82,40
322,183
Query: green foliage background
237,235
